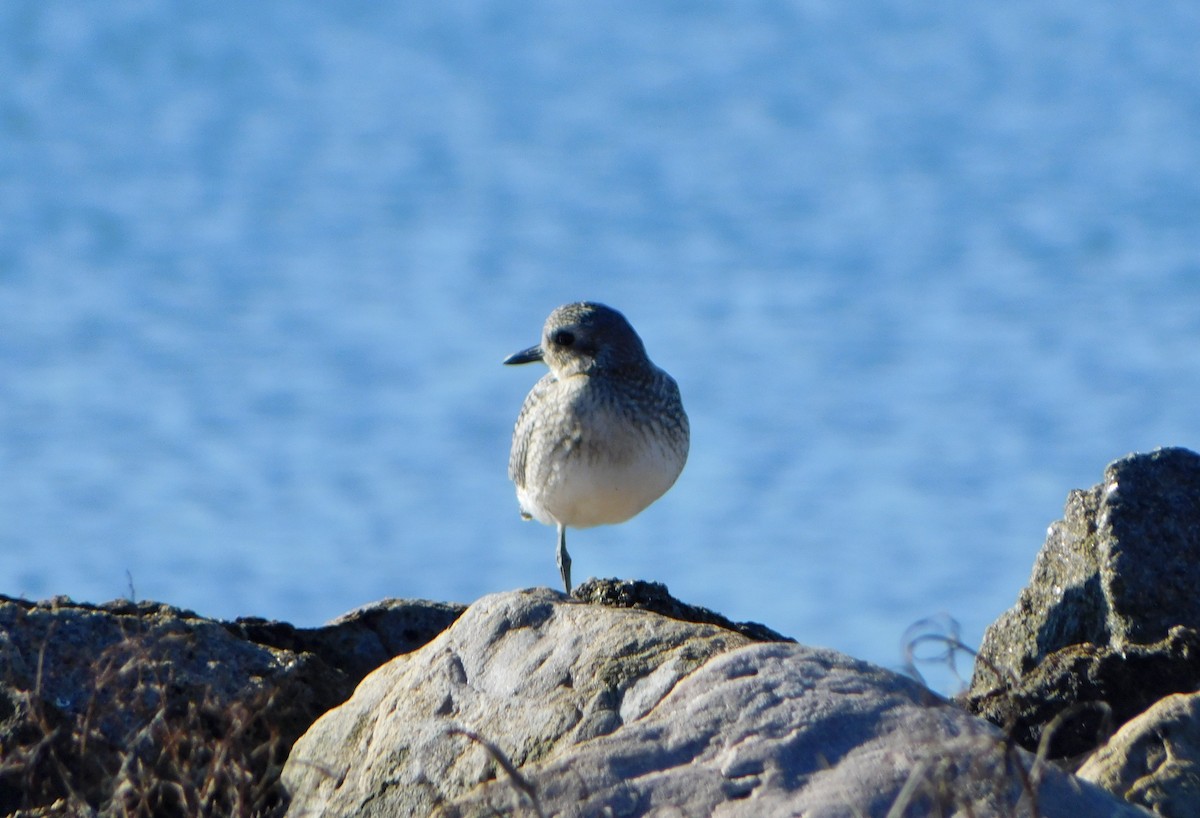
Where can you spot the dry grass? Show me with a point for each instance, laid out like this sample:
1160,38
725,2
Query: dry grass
172,751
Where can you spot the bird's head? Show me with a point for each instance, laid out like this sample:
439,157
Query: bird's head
585,338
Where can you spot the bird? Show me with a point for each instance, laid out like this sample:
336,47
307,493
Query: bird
603,434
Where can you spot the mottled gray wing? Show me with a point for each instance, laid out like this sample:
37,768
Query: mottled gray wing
672,415
523,431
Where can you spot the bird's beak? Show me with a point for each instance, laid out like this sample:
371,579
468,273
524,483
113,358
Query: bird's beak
525,356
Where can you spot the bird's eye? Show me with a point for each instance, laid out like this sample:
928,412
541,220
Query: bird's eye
563,338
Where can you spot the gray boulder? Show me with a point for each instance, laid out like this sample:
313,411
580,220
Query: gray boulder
1154,760
534,704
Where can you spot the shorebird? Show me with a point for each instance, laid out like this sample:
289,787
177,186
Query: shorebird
603,434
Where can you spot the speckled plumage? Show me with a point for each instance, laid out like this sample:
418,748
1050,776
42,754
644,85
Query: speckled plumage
603,434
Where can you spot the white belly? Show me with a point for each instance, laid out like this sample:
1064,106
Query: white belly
583,492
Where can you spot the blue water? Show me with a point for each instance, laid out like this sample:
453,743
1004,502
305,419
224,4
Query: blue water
919,269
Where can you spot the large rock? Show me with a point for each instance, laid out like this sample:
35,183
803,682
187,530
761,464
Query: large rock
1154,760
534,704
137,709
1122,567
1110,620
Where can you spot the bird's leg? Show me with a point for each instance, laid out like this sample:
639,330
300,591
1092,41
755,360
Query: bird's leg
564,559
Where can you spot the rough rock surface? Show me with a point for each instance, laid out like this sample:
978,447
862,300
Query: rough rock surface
143,709
1086,691
1122,567
359,641
653,596
1110,620
1154,760
625,712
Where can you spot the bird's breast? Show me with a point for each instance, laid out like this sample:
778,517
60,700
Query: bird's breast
602,468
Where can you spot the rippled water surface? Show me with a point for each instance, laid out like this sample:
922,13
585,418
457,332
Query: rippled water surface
919,270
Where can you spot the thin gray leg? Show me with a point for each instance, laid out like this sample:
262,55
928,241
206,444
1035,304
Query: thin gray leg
564,559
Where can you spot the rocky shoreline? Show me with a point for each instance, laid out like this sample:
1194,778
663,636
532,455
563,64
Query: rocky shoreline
622,700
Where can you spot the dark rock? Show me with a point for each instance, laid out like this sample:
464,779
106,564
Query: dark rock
653,596
1082,693
128,706
359,641
1111,613
137,708
1122,567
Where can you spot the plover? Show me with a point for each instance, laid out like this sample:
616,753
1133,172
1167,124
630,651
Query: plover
603,434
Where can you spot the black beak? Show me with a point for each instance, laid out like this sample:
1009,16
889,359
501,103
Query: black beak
525,356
